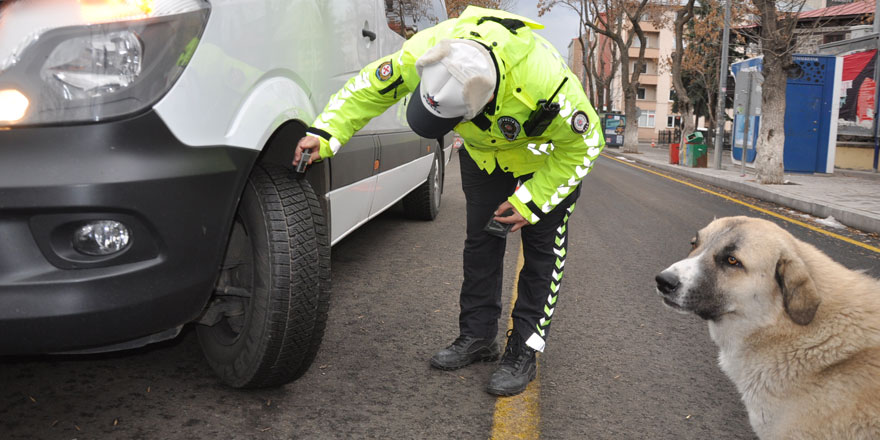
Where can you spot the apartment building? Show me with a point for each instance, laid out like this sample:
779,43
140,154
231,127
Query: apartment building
655,92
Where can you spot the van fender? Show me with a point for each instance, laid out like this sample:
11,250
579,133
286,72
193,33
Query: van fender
273,101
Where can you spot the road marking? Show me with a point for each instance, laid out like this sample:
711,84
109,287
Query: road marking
770,213
518,417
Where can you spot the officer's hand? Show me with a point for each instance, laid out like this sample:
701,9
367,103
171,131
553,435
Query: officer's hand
516,219
310,143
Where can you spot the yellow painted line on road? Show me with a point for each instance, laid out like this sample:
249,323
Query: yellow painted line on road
518,417
756,208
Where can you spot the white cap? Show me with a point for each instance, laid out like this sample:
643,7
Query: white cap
457,81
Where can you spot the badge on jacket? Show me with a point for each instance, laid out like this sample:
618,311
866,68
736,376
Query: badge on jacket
580,122
385,71
509,127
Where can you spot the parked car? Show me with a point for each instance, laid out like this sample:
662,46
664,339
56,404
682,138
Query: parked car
145,178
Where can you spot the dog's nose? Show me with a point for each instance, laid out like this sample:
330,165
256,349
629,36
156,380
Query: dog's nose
667,282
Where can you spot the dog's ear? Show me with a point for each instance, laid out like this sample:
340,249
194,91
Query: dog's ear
799,295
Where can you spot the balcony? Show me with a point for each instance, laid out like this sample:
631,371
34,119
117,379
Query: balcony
648,79
648,26
650,52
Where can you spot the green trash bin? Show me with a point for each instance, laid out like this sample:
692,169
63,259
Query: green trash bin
695,155
695,138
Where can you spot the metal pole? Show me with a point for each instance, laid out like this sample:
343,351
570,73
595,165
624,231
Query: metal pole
876,126
748,116
722,89
876,22
876,89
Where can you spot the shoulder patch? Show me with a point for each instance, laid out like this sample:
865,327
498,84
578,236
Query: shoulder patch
509,127
385,71
580,122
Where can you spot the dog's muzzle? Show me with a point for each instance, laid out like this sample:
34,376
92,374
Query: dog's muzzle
667,283
667,286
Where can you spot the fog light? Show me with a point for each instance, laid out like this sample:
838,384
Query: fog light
99,238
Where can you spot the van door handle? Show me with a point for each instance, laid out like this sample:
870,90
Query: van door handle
369,34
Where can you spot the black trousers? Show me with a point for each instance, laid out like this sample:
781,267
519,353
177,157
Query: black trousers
544,248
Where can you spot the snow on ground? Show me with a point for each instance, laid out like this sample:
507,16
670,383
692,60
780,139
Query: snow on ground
831,222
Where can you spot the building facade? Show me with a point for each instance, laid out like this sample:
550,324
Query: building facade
654,96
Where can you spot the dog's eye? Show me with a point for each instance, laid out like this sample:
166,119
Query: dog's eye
693,243
731,260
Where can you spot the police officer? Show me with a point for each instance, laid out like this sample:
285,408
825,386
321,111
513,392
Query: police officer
530,136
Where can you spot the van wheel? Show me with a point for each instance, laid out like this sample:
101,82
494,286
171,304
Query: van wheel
266,319
423,203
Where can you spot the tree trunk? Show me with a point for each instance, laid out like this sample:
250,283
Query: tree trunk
632,12
687,126
771,137
682,17
710,121
631,131
609,97
775,42
630,83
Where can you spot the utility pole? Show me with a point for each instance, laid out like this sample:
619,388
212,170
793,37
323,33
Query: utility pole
722,88
876,89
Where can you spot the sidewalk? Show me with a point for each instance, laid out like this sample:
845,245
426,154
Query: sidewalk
851,197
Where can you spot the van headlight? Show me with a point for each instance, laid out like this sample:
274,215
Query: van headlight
91,60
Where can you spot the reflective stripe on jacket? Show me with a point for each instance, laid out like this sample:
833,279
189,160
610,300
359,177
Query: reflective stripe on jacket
530,69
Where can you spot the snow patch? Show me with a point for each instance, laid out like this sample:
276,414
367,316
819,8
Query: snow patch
831,222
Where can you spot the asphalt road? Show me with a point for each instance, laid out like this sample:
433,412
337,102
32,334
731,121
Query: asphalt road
619,365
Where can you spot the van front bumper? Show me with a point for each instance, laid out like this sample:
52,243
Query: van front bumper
177,201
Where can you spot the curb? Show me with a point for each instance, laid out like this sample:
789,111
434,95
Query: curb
817,209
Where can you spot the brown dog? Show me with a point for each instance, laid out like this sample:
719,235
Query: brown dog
798,333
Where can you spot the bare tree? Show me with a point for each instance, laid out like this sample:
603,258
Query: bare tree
619,21
776,38
606,71
683,16
702,55
588,51
600,59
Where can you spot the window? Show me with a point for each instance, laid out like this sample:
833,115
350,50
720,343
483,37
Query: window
644,67
671,95
830,38
640,93
670,121
407,17
646,118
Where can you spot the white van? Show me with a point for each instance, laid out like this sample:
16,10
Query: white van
145,179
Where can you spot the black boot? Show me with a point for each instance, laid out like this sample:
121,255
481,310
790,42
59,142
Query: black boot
518,367
465,351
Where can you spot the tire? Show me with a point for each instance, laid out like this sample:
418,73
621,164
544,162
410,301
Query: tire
423,203
273,292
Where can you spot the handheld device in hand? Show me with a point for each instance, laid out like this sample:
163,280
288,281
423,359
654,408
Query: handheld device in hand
497,228
303,162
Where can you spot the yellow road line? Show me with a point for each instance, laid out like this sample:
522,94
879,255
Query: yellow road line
771,213
518,417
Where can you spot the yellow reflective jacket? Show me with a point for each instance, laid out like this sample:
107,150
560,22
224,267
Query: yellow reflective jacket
530,69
